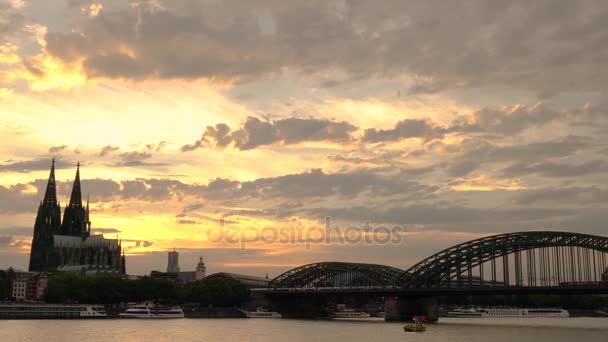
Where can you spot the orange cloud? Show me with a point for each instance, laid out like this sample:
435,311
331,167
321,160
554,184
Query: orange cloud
485,183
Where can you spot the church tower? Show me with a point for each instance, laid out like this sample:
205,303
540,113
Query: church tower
200,269
48,223
123,264
75,216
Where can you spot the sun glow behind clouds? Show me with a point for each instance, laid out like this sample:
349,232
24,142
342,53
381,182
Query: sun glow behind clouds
485,183
94,9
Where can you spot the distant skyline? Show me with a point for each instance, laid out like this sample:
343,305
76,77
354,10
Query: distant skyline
450,120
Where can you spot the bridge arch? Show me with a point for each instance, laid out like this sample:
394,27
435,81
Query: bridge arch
340,274
537,258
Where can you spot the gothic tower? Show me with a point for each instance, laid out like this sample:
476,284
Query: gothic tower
123,264
48,223
76,216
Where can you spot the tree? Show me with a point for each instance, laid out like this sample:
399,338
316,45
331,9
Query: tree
217,291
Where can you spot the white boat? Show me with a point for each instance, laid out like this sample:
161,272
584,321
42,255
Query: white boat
51,311
509,312
260,312
342,312
149,310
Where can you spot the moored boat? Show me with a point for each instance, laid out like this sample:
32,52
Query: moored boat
342,312
500,312
261,312
51,311
149,310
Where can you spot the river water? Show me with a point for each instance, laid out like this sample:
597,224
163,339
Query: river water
448,329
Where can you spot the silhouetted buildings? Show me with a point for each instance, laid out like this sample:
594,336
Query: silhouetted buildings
173,262
68,245
29,285
183,276
200,269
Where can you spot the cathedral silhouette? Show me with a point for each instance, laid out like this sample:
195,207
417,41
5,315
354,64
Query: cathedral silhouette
68,245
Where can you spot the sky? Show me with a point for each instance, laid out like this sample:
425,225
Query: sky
264,134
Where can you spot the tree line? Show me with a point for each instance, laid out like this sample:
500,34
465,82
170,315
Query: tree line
6,280
64,288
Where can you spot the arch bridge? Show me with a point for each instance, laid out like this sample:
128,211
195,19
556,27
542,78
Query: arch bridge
524,261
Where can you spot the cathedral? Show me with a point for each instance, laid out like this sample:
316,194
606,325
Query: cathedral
68,245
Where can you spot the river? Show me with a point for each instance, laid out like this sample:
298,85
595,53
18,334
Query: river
448,329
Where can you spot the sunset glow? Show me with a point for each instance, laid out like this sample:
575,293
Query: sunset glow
291,115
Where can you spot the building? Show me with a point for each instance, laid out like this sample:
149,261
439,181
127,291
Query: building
68,245
37,285
173,262
183,276
200,269
29,285
19,288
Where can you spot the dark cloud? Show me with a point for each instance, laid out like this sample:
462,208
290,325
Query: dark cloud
256,132
158,147
403,130
518,43
34,165
56,149
513,120
13,21
192,207
473,153
133,158
573,196
5,240
17,231
489,122
550,169
448,217
316,183
107,150
186,222
506,121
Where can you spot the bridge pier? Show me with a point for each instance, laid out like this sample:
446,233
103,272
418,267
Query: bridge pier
404,308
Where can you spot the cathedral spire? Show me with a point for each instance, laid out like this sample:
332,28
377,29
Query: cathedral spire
75,221
86,218
76,197
50,196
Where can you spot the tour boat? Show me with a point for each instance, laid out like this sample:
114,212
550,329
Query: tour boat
148,310
508,312
260,312
51,311
342,312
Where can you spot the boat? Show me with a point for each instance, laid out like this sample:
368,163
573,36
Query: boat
149,310
380,314
469,313
260,312
51,311
414,328
506,312
342,312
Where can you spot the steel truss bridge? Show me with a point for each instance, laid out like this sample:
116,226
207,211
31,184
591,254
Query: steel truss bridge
524,262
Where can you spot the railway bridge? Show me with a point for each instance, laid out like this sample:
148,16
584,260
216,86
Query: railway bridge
536,262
